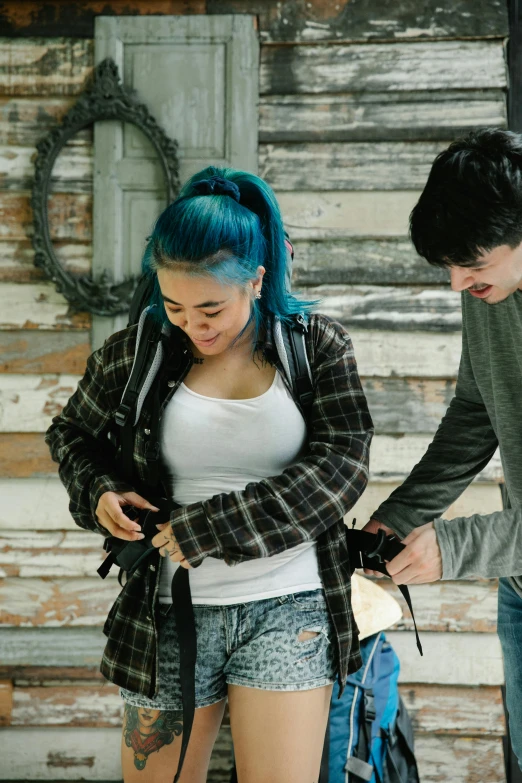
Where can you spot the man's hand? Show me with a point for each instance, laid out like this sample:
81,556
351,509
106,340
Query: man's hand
420,562
372,527
111,515
167,544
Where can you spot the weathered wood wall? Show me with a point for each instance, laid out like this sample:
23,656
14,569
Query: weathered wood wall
356,99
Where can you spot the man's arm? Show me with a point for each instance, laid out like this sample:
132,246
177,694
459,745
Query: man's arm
463,445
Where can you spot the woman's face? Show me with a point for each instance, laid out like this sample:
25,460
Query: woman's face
211,314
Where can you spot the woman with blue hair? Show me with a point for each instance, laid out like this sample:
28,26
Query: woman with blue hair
261,496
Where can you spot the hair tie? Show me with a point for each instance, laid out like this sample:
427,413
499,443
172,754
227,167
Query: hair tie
217,186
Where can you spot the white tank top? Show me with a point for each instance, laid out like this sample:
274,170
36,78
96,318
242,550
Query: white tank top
211,446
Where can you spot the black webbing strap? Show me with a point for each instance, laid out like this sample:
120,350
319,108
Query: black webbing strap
125,414
186,630
373,550
294,340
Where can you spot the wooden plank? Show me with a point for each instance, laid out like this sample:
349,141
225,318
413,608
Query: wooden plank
55,602
389,308
44,352
406,354
401,406
24,121
70,217
29,402
396,67
6,702
72,705
398,406
63,17
477,498
38,306
449,658
317,215
58,66
24,455
433,709
359,260
394,457
453,710
44,676
72,172
316,20
346,166
417,116
50,554
42,503
71,754
463,606
460,760
17,260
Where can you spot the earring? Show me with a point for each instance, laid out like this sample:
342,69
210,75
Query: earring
258,295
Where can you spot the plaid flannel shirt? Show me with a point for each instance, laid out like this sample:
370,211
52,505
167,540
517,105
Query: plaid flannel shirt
306,502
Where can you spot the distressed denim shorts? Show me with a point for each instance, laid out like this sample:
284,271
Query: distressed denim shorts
254,644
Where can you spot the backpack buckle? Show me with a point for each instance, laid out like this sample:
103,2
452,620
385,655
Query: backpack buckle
369,707
299,319
122,414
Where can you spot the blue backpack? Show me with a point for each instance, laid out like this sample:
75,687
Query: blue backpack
370,736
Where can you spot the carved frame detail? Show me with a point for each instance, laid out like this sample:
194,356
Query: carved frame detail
106,98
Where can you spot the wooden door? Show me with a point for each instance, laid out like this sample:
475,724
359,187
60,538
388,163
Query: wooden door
199,78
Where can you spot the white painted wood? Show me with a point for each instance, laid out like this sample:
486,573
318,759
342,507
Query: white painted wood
460,759
93,754
365,116
25,65
388,307
478,498
50,554
42,503
53,603
348,166
449,658
28,402
406,354
210,108
67,705
61,754
393,457
315,215
34,306
72,172
400,67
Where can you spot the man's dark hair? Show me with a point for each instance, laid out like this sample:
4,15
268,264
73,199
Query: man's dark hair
472,201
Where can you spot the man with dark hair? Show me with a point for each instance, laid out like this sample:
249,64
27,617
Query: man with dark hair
469,220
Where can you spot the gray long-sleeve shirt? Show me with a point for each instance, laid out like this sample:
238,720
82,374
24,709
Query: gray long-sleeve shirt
485,412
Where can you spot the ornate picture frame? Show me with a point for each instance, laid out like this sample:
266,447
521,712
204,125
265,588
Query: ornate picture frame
106,98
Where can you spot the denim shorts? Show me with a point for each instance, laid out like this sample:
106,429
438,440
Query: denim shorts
253,644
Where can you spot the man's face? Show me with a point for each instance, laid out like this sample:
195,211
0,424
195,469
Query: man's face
495,276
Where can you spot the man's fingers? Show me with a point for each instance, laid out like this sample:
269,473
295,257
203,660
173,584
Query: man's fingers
399,562
369,572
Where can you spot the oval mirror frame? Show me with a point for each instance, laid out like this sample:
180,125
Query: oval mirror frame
106,98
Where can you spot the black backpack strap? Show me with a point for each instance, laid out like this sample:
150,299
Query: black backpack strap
186,630
293,341
370,550
125,414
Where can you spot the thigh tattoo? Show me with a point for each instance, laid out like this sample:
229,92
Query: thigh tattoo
146,731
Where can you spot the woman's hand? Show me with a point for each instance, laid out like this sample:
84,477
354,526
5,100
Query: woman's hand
111,516
167,544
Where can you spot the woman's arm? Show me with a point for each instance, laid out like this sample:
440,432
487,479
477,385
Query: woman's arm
77,439
279,513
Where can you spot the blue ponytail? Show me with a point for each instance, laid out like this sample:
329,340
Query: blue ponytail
226,223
